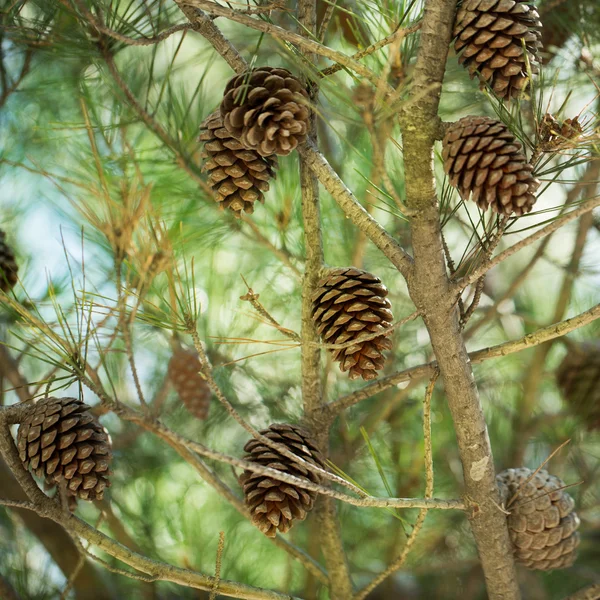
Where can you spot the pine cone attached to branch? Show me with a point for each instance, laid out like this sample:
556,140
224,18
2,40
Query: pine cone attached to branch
238,176
8,265
579,380
275,505
485,162
191,387
349,304
542,523
61,441
266,109
500,41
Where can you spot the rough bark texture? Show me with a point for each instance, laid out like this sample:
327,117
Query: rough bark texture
430,290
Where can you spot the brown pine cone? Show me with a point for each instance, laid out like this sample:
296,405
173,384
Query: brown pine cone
275,505
541,523
238,176
266,109
8,265
485,163
496,39
348,304
61,441
578,378
191,387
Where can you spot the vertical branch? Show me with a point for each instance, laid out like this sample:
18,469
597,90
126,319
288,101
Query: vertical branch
340,584
430,290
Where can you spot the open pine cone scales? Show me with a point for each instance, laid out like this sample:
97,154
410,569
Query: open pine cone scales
61,441
485,162
275,505
499,40
542,524
266,109
579,380
238,176
348,304
191,387
8,265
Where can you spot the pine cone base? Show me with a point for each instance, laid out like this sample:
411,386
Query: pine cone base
542,523
192,389
499,41
61,441
239,177
348,304
485,163
276,505
266,109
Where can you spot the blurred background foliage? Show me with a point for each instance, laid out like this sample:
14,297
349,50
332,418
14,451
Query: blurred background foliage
77,161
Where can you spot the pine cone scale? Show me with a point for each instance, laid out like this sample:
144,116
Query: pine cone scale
275,505
347,304
541,523
489,169
238,175
60,440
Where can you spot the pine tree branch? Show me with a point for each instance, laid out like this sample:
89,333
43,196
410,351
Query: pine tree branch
421,371
204,25
50,509
305,43
340,582
582,209
352,208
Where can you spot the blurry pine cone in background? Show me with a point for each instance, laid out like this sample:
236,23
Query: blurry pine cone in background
485,163
266,109
499,40
348,304
191,387
275,505
238,176
62,442
578,378
542,523
8,265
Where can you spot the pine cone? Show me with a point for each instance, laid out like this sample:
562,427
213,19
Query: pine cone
267,110
496,39
542,523
191,387
485,162
579,380
8,265
238,176
348,304
62,441
275,505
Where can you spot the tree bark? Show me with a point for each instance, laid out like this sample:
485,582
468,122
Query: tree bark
429,288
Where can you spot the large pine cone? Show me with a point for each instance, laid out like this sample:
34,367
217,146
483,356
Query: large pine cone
348,304
579,380
61,441
238,176
496,39
8,265
191,387
542,523
275,505
267,110
485,162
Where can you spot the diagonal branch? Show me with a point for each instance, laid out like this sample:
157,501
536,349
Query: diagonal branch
421,371
352,208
